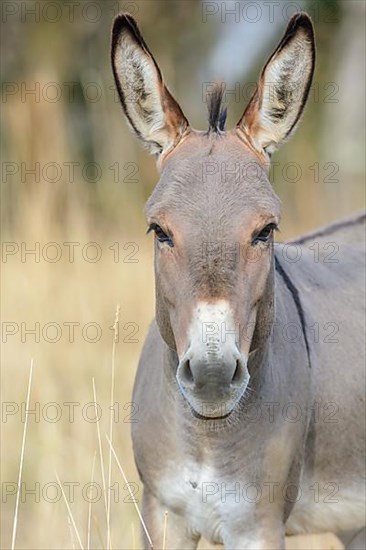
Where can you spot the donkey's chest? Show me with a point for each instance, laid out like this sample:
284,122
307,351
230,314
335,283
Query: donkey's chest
203,496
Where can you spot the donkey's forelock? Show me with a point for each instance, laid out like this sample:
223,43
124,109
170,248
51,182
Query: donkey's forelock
216,112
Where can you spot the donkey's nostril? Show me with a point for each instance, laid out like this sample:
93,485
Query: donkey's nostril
237,374
186,373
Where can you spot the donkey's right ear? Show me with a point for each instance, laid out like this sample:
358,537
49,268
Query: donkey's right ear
151,111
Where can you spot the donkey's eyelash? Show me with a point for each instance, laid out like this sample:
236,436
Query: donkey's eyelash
264,235
161,235
272,226
151,227
154,227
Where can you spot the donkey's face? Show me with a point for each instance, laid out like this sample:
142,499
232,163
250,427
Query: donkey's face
213,213
213,210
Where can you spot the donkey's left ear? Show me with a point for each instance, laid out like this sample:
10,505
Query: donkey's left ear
152,112
276,106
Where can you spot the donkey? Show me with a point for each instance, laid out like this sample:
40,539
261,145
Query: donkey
250,385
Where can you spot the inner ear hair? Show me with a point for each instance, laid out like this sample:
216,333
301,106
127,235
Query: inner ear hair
151,111
278,103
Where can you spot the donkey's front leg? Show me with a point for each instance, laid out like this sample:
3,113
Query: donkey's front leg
177,534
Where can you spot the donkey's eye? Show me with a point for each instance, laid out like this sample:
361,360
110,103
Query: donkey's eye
265,235
160,234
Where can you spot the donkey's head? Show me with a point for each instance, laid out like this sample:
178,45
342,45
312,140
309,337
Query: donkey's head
213,210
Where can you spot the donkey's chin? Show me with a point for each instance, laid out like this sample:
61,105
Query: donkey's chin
206,409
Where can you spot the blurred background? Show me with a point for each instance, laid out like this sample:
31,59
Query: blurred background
74,182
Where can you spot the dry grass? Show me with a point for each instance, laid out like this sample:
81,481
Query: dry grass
15,521
65,292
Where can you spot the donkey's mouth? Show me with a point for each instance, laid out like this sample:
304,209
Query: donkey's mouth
205,405
202,417
212,411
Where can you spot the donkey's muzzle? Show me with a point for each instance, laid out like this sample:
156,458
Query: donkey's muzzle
213,384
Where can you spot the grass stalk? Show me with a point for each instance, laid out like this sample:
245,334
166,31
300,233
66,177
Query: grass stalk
165,529
16,512
101,454
115,340
90,503
131,493
70,513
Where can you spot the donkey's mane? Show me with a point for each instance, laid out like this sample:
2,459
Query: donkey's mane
355,219
216,112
